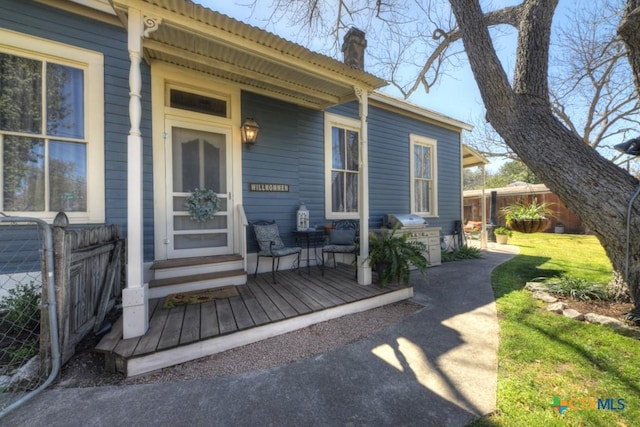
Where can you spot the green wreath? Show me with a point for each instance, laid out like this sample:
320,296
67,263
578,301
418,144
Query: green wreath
202,204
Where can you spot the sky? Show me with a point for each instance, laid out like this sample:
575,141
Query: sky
456,95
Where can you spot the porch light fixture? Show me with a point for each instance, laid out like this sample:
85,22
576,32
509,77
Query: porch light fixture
249,131
631,147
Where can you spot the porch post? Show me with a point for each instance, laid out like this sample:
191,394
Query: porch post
364,269
483,207
135,295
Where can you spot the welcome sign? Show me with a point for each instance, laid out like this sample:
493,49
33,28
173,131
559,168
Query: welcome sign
268,188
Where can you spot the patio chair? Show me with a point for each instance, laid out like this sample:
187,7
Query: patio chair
343,239
270,245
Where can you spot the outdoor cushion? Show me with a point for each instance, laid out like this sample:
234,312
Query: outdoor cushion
342,249
342,237
265,234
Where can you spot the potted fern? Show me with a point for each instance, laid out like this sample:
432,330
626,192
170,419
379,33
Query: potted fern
393,256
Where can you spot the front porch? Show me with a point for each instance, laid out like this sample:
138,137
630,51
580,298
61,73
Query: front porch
262,310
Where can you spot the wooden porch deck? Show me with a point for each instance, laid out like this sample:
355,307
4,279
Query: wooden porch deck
262,310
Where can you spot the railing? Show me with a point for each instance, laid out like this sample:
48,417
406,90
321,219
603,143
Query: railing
243,237
29,350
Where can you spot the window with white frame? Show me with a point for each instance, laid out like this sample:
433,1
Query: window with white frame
342,166
423,170
51,139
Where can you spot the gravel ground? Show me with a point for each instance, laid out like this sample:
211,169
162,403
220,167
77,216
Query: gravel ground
85,369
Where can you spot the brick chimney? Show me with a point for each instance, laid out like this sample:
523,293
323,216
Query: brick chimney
353,48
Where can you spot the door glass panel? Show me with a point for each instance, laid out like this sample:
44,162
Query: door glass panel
182,223
200,241
198,161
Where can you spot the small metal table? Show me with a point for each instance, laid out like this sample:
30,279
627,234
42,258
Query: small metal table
312,238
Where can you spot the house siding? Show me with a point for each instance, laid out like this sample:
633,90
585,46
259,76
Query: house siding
389,185
49,23
290,150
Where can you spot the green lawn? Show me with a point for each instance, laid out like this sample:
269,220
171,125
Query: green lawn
544,355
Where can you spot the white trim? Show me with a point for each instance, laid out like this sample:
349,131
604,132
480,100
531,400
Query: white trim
408,107
92,63
335,120
433,145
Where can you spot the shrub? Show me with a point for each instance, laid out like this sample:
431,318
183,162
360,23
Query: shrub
463,252
633,316
22,306
577,288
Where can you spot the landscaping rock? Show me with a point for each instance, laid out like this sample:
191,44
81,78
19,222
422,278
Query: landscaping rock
573,314
27,375
535,286
544,296
557,307
617,325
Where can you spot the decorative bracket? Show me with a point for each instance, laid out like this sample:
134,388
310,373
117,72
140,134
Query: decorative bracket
150,25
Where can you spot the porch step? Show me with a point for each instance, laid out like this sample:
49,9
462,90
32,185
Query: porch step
179,267
159,288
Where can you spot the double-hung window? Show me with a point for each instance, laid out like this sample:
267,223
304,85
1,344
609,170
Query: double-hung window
342,166
51,129
423,172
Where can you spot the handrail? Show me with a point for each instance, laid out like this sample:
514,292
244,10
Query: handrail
243,235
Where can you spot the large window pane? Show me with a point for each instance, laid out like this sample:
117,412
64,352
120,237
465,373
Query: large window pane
337,150
352,150
68,176
344,174
20,94
422,168
337,191
65,101
352,192
422,196
23,174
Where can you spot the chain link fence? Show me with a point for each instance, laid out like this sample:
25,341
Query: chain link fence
29,353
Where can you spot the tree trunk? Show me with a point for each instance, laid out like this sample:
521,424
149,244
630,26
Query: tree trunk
591,186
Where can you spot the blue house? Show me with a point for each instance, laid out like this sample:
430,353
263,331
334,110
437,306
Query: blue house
127,106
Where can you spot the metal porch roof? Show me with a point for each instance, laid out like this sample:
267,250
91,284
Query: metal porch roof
197,38
472,158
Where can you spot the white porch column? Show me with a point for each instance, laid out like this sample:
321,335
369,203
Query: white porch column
135,295
483,217
364,269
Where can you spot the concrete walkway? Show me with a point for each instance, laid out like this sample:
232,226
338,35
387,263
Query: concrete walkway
438,367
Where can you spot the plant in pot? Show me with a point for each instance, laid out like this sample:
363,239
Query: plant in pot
502,235
527,217
393,256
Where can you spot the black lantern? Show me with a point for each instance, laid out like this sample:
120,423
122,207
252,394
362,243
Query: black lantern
249,131
631,147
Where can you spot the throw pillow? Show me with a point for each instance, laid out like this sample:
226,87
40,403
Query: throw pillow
342,237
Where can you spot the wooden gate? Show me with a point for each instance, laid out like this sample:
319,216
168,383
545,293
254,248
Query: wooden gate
89,272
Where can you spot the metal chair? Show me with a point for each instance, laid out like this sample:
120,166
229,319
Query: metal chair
270,245
343,239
